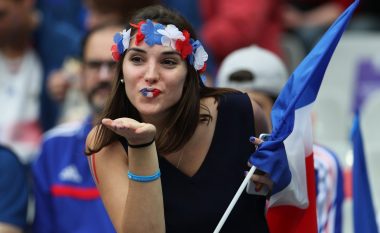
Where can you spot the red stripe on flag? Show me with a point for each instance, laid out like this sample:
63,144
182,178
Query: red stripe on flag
347,183
290,219
75,192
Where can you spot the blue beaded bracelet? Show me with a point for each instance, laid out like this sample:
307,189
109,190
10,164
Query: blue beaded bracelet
138,178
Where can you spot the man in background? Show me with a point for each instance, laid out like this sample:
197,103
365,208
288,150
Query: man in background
13,193
67,199
20,79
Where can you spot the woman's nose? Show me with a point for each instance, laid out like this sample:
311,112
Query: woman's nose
152,74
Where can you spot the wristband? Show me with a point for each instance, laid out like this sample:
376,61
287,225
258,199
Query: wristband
144,179
141,145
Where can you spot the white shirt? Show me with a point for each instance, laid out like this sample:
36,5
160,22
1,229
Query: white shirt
20,87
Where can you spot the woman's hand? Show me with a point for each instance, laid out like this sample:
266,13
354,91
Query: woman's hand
135,132
259,177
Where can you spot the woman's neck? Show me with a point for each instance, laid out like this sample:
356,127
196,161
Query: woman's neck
157,121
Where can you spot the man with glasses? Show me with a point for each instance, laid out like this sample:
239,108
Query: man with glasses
66,197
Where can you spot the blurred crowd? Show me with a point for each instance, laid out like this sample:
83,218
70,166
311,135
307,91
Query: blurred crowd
55,59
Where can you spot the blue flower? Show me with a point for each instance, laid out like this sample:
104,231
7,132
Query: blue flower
149,29
118,39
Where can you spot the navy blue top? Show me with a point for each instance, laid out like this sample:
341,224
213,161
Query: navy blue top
197,203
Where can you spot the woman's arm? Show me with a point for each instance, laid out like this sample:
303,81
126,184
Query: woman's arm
261,123
132,206
261,126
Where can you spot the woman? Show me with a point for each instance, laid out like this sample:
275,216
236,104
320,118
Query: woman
169,153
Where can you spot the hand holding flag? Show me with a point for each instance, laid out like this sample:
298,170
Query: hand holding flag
287,156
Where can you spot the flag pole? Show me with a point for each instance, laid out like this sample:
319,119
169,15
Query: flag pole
235,199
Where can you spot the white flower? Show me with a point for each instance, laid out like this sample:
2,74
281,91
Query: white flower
126,38
170,35
200,57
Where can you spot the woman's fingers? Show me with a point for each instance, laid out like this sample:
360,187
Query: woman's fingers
256,141
120,124
135,132
261,180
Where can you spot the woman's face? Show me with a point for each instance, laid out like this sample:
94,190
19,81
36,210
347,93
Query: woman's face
154,78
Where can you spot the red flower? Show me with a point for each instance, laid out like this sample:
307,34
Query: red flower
203,69
184,47
115,53
139,35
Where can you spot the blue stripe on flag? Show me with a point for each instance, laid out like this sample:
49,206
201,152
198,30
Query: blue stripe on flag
364,214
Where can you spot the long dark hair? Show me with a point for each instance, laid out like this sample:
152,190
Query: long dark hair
184,116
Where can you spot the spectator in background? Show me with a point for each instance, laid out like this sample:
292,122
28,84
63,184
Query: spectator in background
230,25
13,193
241,23
20,79
330,196
190,9
258,71
60,30
63,82
262,75
367,16
100,11
309,19
66,197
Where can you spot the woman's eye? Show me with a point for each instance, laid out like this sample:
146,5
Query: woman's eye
169,62
136,59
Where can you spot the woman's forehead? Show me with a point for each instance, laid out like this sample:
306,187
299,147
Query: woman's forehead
144,47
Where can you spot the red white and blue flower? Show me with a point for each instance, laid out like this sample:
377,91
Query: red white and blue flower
166,35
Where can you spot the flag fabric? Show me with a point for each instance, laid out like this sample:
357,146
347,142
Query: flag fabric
287,155
364,214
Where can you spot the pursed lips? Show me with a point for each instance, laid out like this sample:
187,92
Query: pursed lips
150,92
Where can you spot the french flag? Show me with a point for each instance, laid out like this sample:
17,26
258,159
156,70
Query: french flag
292,206
364,213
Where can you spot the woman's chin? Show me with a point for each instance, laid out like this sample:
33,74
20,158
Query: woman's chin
152,111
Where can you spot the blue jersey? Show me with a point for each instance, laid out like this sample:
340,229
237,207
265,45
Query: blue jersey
67,200
329,181
13,189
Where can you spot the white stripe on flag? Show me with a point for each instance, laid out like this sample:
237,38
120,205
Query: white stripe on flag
298,145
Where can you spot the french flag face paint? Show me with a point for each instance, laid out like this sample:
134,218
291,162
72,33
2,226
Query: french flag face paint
150,92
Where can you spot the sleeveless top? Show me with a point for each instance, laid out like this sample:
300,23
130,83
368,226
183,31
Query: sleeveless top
197,203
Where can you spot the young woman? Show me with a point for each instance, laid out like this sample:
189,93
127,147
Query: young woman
169,153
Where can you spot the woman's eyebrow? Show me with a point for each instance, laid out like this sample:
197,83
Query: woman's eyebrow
171,52
136,50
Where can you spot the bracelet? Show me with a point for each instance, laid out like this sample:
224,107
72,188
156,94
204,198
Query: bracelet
141,145
144,179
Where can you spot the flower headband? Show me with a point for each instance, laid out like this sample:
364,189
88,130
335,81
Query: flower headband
169,35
